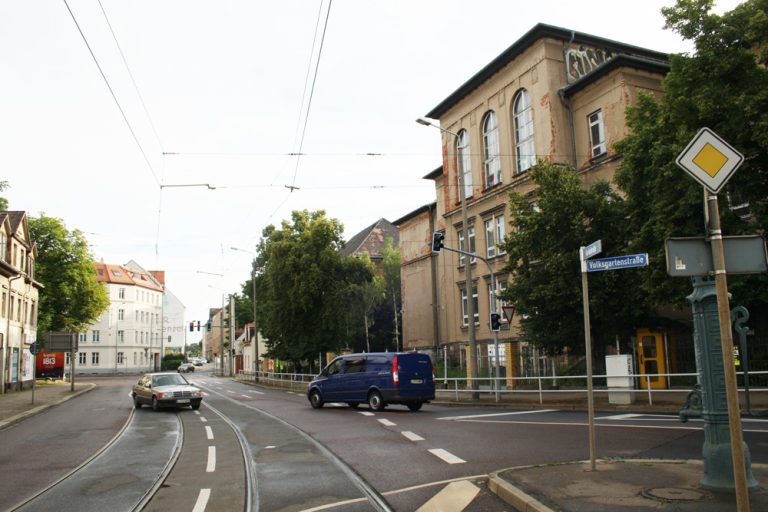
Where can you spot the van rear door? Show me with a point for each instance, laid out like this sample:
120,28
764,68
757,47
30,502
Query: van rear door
415,376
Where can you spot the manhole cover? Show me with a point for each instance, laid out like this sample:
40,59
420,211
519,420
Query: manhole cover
672,494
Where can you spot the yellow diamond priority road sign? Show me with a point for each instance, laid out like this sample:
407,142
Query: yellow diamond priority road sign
710,160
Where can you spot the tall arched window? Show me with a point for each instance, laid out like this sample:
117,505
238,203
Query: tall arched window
523,117
491,158
464,161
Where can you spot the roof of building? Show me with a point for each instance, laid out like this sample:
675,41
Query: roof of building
416,212
538,32
372,239
119,274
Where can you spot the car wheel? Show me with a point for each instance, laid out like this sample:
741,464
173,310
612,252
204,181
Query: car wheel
136,402
375,402
353,405
315,399
155,405
414,406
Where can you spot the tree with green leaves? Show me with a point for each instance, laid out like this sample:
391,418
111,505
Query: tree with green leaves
544,266
72,298
723,85
391,264
3,201
304,286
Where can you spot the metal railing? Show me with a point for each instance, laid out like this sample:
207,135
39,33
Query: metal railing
540,388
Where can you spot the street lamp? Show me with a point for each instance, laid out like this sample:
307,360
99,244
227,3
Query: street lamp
255,340
468,266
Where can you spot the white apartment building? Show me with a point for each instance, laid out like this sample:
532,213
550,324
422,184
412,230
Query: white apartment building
128,336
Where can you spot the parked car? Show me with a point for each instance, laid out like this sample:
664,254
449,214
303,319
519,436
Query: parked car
378,379
197,361
186,368
166,389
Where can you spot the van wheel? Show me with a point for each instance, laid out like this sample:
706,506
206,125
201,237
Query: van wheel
353,405
375,402
315,399
414,406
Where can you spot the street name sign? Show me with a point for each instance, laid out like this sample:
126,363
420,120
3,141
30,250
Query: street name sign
618,262
709,159
592,249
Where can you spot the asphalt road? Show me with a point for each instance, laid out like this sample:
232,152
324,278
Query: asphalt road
298,458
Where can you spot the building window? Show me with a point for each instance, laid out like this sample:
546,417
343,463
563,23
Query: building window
464,161
81,358
501,285
83,337
134,359
120,358
476,314
66,358
121,336
462,246
121,293
96,336
95,358
491,150
121,314
494,236
523,117
596,133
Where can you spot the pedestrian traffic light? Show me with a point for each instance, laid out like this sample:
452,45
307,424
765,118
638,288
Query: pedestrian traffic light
495,322
437,241
191,326
198,325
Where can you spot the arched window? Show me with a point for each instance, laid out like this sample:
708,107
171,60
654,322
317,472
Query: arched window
491,158
464,161
523,117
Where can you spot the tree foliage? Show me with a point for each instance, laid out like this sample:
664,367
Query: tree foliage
723,86
3,201
72,298
543,261
304,286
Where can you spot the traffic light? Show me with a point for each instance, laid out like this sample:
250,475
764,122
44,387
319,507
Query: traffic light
198,325
208,326
437,241
191,326
495,322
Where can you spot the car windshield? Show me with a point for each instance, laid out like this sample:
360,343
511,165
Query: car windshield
168,380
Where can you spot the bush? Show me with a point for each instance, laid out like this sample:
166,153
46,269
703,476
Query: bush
172,362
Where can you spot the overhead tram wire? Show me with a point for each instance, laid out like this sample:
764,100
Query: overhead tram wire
114,97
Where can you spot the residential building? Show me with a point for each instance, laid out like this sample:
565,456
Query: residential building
372,240
19,303
127,337
555,95
174,326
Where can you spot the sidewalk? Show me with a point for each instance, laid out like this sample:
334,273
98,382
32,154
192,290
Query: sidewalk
17,405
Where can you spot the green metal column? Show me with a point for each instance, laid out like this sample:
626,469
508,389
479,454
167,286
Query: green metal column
718,465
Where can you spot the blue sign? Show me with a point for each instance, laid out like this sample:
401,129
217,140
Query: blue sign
618,262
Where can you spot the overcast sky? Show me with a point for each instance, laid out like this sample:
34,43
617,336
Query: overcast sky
222,84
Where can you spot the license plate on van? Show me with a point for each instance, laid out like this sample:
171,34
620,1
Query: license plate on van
417,381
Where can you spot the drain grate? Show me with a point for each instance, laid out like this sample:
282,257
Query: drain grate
674,494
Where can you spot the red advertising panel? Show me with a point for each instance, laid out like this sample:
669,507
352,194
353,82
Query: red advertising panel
50,364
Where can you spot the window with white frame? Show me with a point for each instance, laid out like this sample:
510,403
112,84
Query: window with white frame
121,336
464,161
463,246
95,358
83,337
134,359
492,160
95,336
120,358
500,287
464,314
494,236
596,133
121,293
81,358
121,314
67,358
523,120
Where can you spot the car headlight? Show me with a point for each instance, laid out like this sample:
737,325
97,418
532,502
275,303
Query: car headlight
159,395
199,394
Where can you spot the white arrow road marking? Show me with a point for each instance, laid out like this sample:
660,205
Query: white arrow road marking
411,436
211,466
446,456
386,422
455,497
209,432
473,416
202,500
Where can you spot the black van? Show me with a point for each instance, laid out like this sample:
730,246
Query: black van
378,378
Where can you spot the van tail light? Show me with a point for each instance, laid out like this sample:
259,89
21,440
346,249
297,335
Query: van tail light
395,376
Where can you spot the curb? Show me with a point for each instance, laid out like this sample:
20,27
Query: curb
521,501
37,410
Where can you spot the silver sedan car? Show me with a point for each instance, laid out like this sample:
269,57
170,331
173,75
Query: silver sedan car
166,389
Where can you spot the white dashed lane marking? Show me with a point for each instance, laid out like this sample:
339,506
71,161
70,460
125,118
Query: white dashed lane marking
366,413
202,500
446,456
411,436
209,432
386,423
211,466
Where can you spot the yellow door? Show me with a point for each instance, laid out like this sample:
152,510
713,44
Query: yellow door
651,359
